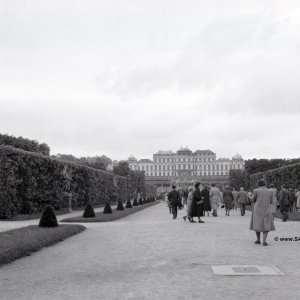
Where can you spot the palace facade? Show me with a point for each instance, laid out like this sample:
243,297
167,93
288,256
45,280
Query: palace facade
185,166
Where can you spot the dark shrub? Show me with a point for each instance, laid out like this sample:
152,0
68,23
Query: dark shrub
128,204
120,205
135,203
107,209
141,201
89,211
48,218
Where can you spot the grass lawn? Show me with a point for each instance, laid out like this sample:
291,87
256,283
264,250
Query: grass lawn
38,215
23,241
117,214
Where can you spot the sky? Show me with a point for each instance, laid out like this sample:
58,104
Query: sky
119,77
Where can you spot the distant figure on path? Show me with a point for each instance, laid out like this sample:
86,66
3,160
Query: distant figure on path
261,219
215,199
292,199
274,203
206,202
168,203
235,193
197,204
242,199
284,201
174,201
189,203
228,199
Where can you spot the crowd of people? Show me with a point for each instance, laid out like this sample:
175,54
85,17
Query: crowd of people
200,200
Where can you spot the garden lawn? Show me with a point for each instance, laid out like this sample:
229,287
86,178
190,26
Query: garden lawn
116,214
23,241
61,211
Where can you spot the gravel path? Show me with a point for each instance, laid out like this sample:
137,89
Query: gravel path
148,255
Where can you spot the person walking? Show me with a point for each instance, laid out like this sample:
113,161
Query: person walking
206,202
174,201
215,199
284,202
188,203
292,199
235,193
261,219
274,196
168,203
196,209
228,199
242,199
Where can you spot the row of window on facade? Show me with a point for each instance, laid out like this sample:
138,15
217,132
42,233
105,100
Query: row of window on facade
185,159
152,168
198,173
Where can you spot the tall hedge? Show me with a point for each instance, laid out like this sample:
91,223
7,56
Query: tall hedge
38,180
151,190
288,175
25,144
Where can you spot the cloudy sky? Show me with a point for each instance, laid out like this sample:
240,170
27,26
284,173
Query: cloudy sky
119,77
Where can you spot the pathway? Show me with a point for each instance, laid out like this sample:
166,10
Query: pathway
148,255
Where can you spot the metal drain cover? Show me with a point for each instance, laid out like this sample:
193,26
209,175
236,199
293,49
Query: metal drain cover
245,270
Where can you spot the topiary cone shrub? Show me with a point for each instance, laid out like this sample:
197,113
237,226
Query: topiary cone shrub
89,211
107,209
128,204
48,218
135,203
120,205
141,201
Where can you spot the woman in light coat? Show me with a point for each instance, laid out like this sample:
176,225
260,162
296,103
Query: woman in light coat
215,199
274,203
261,219
188,203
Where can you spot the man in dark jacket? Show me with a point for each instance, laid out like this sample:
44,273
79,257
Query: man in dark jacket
242,200
174,200
284,201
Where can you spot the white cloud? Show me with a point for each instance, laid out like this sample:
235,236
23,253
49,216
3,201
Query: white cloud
105,77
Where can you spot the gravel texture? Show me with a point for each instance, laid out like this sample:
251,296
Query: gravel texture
148,255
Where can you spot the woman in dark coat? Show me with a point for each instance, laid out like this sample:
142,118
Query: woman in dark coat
206,202
197,205
228,200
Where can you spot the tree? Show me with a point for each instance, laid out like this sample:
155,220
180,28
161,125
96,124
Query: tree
122,168
44,149
237,178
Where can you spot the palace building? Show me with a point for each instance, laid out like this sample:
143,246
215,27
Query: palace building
184,167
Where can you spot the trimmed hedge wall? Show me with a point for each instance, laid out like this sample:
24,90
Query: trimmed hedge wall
289,175
31,181
151,190
25,144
